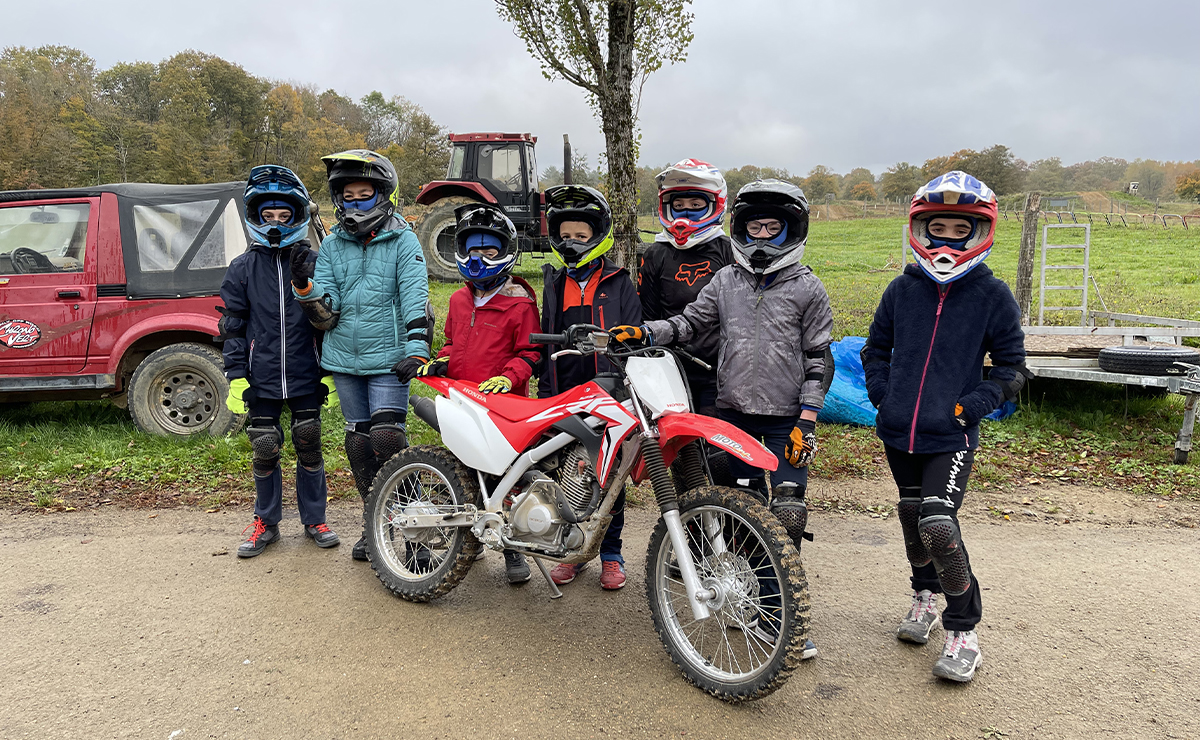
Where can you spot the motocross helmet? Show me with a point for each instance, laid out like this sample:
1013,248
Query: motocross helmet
769,199
958,195
362,217
578,203
484,226
695,179
273,186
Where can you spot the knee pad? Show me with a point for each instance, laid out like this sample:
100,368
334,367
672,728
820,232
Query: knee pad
265,442
943,541
361,456
306,438
387,436
909,513
789,507
718,466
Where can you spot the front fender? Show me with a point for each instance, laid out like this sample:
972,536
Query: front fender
676,430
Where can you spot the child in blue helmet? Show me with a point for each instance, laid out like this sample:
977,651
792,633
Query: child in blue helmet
489,321
270,352
923,362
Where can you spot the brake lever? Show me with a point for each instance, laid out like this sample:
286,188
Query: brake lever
693,358
562,352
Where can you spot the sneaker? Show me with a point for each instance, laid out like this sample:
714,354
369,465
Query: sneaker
613,575
768,635
360,551
481,554
564,573
921,620
515,567
960,657
322,535
261,535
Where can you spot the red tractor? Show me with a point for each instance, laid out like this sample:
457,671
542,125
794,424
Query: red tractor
489,168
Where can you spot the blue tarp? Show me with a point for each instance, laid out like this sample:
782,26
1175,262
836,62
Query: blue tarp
847,402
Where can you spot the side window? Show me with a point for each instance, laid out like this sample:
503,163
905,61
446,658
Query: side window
39,239
226,241
165,232
455,171
501,165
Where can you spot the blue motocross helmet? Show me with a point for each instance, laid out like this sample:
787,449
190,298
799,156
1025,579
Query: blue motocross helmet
484,226
273,186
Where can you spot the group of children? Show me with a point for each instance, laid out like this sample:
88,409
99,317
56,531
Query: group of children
743,303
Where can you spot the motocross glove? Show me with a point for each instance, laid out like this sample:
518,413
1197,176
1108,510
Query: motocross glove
234,401
409,368
801,448
627,333
302,267
498,384
438,367
958,415
331,396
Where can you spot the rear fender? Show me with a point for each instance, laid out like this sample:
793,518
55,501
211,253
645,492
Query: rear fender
676,430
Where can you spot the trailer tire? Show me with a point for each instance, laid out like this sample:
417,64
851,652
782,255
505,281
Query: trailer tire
435,230
180,390
1146,360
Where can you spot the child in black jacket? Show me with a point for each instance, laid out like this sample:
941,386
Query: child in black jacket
923,361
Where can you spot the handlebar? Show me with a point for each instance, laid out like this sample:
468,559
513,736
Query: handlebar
548,338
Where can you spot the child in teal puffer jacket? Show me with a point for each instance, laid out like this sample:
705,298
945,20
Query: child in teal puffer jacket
368,289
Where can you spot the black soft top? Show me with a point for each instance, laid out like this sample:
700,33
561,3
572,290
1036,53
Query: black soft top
140,190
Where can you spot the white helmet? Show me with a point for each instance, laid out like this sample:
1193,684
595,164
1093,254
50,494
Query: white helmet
686,228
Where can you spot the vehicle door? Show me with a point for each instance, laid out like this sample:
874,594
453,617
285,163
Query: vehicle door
500,169
47,285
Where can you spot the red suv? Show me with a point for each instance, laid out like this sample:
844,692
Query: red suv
111,292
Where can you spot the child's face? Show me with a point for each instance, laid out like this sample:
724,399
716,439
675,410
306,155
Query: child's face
764,228
579,231
277,215
947,227
487,252
688,203
358,191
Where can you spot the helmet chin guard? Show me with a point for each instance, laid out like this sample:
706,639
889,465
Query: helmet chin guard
953,195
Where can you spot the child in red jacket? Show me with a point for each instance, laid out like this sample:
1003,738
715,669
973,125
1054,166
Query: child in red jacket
489,321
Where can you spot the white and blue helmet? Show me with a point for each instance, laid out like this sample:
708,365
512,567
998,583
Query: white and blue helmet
484,226
273,186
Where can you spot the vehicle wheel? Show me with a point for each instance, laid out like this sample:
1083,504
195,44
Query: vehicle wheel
419,564
180,390
743,553
435,231
1181,457
1147,360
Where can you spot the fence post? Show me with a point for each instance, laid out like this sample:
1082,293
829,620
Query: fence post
1029,230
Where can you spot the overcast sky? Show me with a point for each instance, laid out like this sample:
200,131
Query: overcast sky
787,83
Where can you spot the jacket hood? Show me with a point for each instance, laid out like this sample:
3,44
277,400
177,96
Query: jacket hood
979,271
516,290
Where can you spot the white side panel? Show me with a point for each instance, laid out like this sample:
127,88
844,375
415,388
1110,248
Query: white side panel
471,436
659,384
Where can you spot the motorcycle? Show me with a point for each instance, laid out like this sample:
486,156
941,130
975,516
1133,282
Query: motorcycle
727,590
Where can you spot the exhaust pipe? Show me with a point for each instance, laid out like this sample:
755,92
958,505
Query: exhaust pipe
567,161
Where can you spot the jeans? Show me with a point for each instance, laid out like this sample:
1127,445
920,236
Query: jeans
610,546
363,395
774,432
311,488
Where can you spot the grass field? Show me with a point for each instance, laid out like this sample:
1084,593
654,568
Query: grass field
68,455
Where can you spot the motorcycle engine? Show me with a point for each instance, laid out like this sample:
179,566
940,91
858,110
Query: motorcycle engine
575,476
535,518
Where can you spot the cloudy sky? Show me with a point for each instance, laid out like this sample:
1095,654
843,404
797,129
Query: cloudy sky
788,83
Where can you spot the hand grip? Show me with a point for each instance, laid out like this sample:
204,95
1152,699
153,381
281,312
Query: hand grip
547,339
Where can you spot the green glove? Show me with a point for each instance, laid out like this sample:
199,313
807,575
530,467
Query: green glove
234,401
331,399
498,384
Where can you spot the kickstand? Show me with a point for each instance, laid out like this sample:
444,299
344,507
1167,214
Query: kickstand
555,593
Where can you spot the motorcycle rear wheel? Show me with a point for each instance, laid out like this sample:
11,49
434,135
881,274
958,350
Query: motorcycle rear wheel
423,563
754,639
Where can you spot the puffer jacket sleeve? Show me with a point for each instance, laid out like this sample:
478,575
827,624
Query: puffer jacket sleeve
1005,343
876,354
412,289
323,281
235,321
816,328
702,312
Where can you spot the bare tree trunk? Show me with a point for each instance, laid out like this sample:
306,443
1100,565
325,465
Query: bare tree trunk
1029,228
616,113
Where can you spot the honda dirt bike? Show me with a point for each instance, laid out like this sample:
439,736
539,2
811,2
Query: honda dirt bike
726,587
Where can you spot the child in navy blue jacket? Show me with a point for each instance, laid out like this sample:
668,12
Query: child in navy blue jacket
924,363
270,351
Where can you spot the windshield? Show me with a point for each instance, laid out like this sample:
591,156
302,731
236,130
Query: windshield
500,166
49,238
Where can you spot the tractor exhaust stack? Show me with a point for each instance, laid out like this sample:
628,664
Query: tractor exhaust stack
567,160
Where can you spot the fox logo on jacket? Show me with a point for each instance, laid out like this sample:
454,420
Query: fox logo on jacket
691,273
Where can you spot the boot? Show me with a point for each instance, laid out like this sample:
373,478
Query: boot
515,567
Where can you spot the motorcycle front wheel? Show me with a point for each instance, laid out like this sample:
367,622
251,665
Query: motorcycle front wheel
420,563
755,635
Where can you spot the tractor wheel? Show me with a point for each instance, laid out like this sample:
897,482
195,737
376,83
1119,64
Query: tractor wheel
435,231
180,390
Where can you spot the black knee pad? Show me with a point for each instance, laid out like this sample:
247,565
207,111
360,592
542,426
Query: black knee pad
361,456
908,511
943,541
265,442
789,507
306,438
718,466
387,436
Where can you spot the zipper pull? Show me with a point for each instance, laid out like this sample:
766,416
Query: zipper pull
472,317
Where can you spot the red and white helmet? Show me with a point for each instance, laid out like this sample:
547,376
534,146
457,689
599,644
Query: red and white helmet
691,177
958,195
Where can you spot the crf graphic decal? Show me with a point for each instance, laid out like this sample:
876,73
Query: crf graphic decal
691,273
19,333
729,444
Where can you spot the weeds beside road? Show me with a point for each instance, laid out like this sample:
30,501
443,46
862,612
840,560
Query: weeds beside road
75,454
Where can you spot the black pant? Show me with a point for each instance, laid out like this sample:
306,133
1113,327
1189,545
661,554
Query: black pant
943,475
311,488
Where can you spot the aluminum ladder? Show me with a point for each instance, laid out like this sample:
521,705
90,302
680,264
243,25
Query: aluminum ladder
1054,266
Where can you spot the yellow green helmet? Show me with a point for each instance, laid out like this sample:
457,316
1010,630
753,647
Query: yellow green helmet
362,165
578,203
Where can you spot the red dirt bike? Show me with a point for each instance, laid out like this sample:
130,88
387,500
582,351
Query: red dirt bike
726,587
